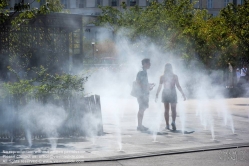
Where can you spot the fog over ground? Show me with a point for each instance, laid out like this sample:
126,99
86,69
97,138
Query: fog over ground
114,87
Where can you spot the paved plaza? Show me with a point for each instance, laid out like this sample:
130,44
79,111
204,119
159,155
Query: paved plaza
202,125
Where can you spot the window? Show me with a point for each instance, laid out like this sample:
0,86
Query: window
42,2
98,2
209,4
81,3
64,3
133,2
72,4
114,2
226,2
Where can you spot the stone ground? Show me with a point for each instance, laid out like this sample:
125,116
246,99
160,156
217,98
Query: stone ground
225,157
201,125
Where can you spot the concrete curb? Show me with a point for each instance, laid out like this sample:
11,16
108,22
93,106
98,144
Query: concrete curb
170,152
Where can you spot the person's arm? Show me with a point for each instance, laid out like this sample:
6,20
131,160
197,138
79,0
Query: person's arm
179,87
243,71
159,87
151,86
158,90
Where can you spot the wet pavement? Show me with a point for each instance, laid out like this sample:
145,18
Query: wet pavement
202,125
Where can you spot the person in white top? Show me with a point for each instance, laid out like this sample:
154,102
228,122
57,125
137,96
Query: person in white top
243,72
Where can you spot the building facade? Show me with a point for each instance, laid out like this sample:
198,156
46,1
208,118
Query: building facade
214,6
90,7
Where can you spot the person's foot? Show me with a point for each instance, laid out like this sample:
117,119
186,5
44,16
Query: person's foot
173,126
142,128
145,128
167,127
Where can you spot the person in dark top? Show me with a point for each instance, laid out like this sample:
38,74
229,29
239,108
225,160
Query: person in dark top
169,81
143,95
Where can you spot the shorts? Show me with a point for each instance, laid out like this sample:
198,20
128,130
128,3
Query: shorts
169,96
143,102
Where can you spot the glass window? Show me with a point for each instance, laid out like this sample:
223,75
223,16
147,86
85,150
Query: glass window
64,3
98,2
72,4
210,4
133,2
81,3
114,2
226,2
42,2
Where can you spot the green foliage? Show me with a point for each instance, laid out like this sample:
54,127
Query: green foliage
23,44
162,23
190,33
38,82
44,86
26,15
236,18
3,12
3,3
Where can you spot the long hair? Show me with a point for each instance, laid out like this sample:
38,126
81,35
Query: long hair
168,71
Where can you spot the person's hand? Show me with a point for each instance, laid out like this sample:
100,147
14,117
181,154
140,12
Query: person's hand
156,98
184,98
152,86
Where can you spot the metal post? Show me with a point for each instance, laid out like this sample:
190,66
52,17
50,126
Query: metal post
93,43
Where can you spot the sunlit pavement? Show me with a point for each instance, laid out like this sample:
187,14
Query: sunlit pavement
226,157
207,125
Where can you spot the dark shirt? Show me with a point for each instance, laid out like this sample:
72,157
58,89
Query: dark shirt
142,80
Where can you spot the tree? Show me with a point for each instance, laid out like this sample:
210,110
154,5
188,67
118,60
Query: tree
178,27
171,25
22,42
28,42
236,18
3,12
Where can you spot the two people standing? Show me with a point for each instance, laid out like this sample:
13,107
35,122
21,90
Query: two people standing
169,97
143,96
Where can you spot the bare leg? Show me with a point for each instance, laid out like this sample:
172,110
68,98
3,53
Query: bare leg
140,116
173,109
166,113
